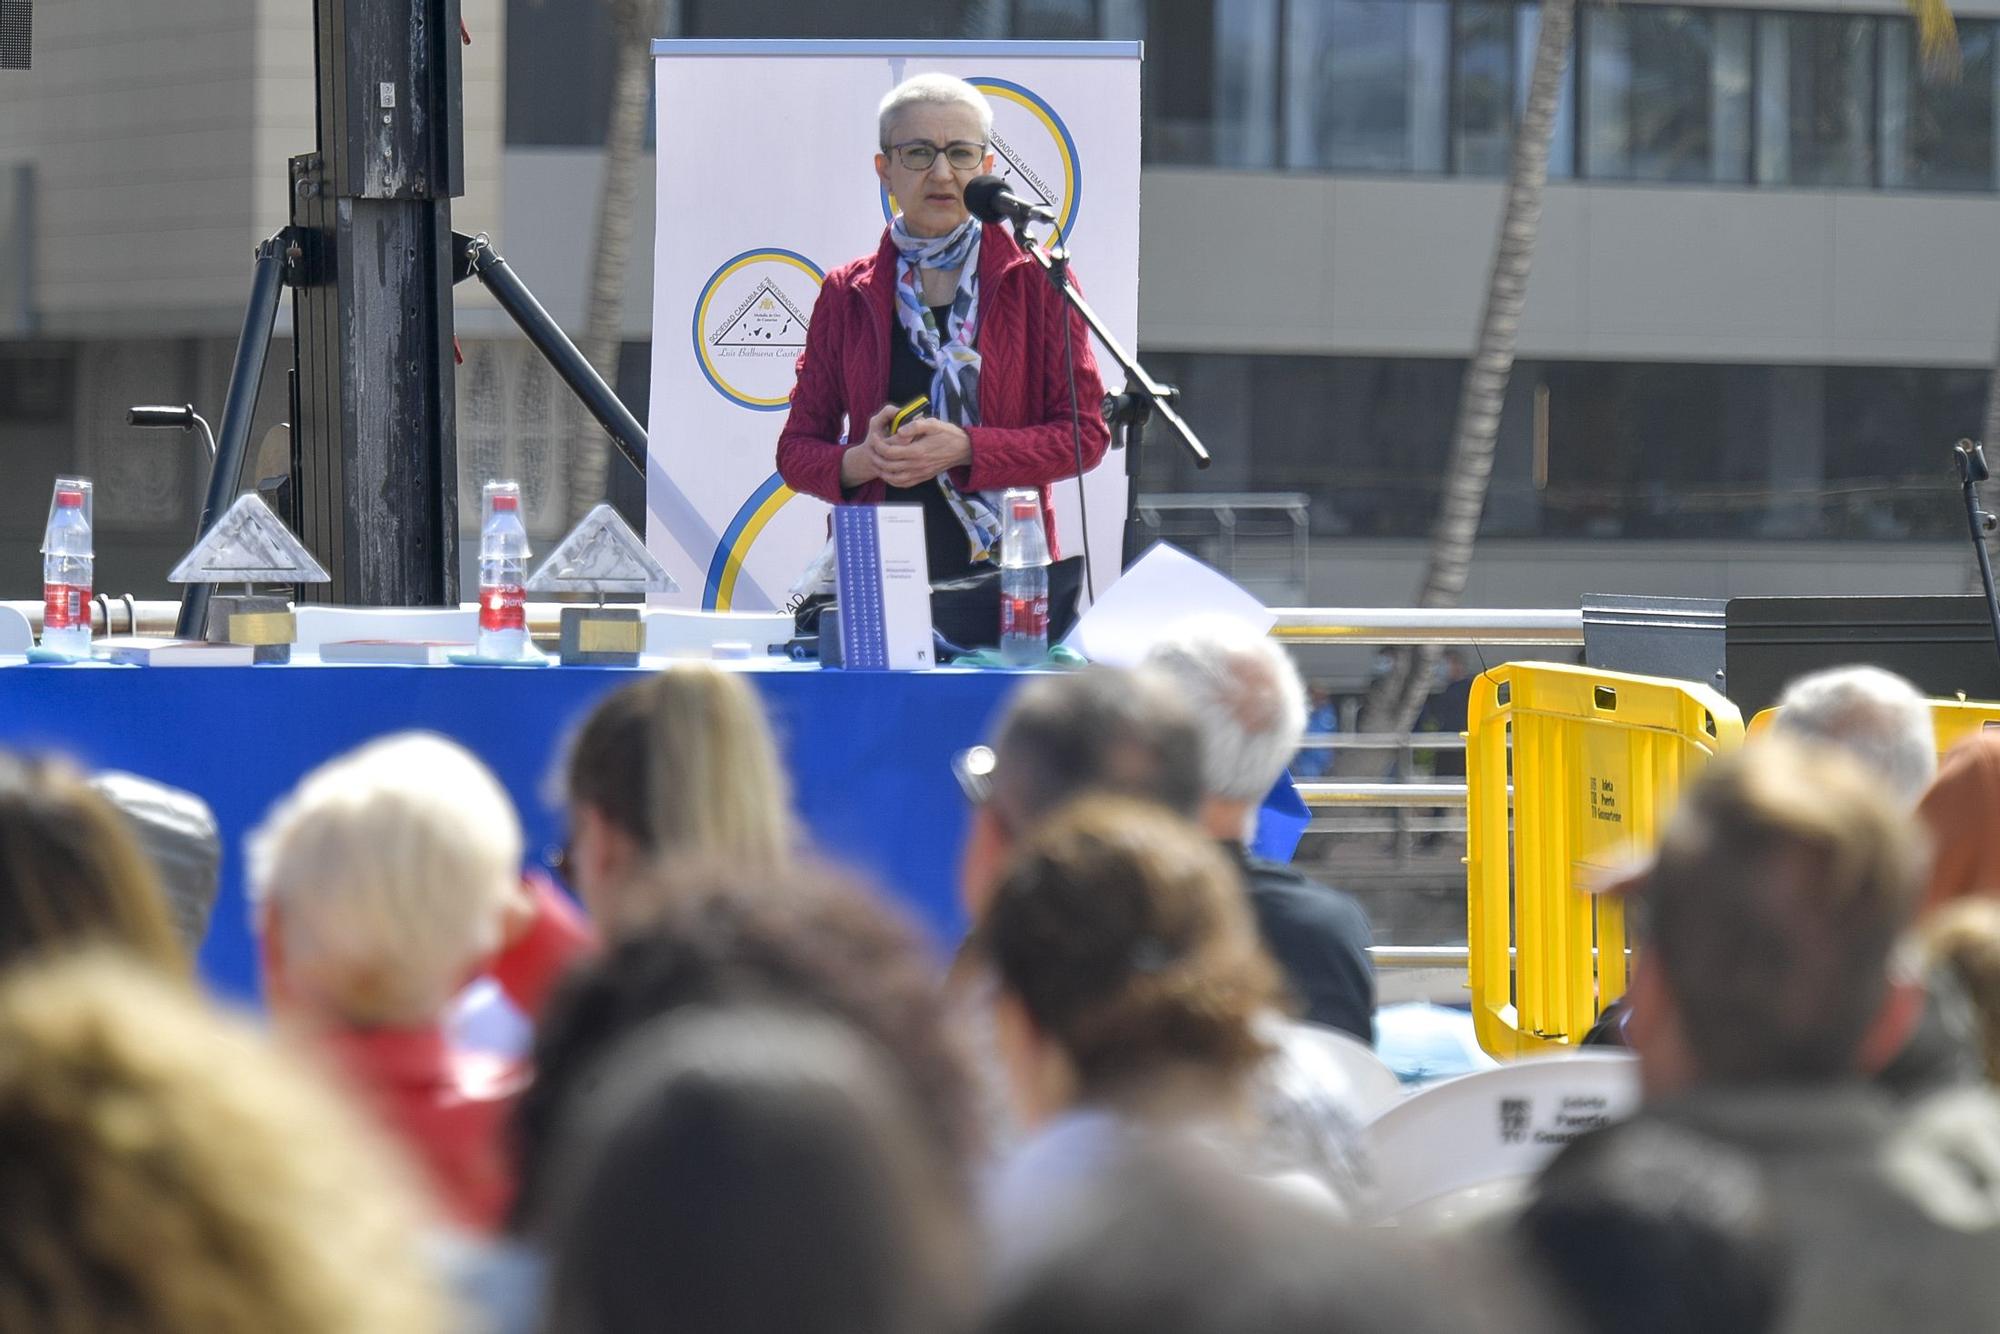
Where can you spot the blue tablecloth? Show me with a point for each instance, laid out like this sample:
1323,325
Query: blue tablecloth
869,752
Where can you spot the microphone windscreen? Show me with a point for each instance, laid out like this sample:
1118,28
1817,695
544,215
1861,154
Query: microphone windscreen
982,198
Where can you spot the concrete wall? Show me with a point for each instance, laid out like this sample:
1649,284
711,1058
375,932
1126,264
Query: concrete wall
1326,264
159,137
138,120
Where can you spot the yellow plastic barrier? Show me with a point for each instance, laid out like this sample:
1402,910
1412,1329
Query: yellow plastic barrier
1953,720
1595,761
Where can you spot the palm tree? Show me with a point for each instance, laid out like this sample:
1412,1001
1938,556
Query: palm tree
633,23
1396,700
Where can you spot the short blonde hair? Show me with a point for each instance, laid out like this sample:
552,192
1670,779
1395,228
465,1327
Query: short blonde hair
167,1170
932,90
389,868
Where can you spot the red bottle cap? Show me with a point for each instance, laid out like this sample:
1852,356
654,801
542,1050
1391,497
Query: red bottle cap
509,503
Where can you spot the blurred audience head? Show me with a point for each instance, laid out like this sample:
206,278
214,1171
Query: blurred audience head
803,937
1101,730
1964,938
1767,921
1129,967
1177,1246
746,1171
1248,700
74,874
1962,813
177,832
381,883
1647,1229
678,766
166,1172
1876,716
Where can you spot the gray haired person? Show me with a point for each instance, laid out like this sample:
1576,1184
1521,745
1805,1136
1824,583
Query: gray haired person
1874,715
1250,706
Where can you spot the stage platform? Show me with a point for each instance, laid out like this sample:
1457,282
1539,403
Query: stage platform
869,752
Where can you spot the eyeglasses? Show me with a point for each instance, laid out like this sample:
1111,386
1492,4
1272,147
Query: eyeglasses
973,768
919,154
560,859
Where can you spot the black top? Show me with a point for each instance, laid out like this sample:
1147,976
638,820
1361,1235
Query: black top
944,537
1319,939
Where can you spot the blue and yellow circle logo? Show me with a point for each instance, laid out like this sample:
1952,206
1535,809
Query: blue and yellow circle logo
1033,151
750,325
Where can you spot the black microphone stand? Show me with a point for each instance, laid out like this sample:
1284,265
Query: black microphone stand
1127,412
1971,461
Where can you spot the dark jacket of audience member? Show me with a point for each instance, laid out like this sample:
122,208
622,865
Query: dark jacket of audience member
1648,1229
746,1172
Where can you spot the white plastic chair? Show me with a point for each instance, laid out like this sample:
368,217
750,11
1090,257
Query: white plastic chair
1453,1152
318,624
679,632
1367,1086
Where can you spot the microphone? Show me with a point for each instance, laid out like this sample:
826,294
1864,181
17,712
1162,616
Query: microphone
988,199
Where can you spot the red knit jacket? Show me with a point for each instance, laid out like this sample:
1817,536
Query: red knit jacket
1025,437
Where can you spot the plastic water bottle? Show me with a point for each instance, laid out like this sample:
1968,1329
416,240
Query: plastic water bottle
1024,579
66,570
503,574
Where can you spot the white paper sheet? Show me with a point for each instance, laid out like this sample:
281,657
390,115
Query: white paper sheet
1163,589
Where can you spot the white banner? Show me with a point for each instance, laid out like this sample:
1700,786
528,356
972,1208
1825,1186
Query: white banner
766,181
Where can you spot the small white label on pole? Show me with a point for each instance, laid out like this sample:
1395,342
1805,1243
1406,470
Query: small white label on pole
388,96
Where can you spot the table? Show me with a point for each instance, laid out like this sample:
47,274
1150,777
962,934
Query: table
869,752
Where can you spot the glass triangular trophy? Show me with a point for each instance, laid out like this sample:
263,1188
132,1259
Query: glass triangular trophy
602,556
249,544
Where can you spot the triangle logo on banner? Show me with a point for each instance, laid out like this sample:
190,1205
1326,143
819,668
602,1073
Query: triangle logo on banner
249,544
766,318
602,555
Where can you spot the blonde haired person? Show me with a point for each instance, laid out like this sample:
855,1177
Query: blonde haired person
73,873
382,885
678,767
167,1172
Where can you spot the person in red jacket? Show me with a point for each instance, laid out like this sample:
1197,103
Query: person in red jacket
383,884
951,310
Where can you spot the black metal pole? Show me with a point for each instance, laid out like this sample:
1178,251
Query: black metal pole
239,408
1971,461
475,257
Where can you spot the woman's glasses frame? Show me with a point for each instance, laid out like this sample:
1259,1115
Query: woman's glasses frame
919,154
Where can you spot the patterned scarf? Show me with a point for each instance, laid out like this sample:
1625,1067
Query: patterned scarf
950,354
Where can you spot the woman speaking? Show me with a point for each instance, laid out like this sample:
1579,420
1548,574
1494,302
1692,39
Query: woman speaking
952,310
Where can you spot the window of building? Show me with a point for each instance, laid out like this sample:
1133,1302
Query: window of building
1668,94
1815,99
1483,97
1366,84
1937,126
1587,449
1212,101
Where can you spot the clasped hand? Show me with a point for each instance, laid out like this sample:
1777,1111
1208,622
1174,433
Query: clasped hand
909,457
